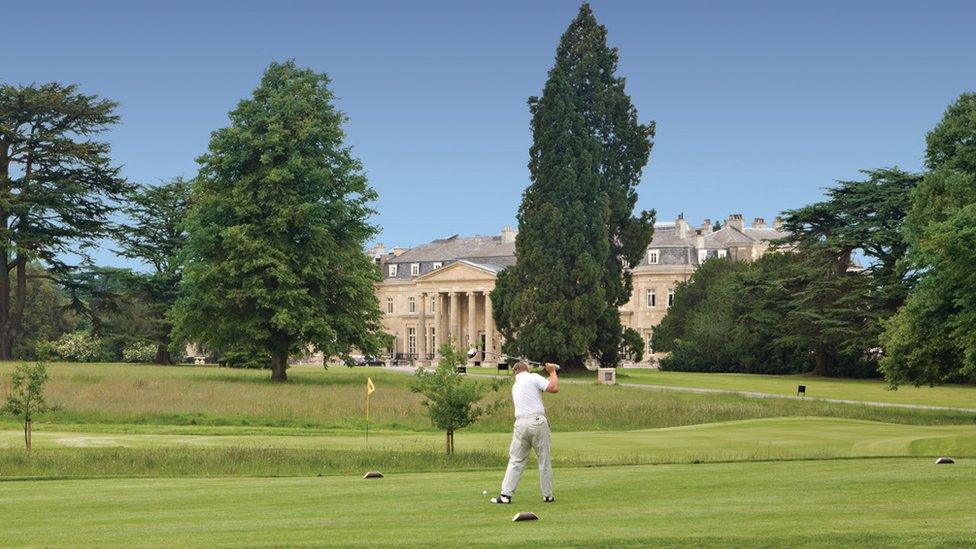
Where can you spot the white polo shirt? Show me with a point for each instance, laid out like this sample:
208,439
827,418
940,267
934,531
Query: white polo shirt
527,394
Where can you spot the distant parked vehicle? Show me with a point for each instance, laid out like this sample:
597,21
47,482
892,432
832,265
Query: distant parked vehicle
367,360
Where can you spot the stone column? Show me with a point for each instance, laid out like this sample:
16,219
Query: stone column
453,332
472,326
489,329
438,325
422,329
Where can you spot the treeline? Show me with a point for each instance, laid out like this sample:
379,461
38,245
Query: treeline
259,256
876,280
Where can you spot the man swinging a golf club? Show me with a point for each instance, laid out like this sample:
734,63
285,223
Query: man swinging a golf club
531,430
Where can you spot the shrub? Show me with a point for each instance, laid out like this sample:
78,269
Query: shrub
78,347
139,351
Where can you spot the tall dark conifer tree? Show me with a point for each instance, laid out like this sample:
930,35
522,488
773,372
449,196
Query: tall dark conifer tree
578,237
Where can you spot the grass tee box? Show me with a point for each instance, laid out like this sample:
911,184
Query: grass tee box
875,502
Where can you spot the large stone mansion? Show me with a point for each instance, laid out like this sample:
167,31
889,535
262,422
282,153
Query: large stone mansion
440,291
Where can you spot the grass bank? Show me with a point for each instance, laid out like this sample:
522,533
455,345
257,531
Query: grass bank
99,396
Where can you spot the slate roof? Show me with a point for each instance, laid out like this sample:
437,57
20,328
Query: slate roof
458,247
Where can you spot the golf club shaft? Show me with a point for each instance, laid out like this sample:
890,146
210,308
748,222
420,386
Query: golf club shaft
507,357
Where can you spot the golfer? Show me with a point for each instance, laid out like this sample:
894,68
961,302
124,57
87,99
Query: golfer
531,430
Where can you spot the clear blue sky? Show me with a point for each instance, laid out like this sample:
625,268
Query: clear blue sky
759,105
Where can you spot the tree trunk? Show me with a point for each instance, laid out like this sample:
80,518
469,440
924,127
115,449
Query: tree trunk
450,442
576,366
822,362
163,355
279,366
5,350
27,434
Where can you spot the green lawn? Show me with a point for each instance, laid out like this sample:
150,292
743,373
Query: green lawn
961,396
808,503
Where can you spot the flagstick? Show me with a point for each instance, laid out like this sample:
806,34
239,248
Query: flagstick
367,418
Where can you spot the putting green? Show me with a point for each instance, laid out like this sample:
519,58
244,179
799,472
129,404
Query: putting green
772,438
810,503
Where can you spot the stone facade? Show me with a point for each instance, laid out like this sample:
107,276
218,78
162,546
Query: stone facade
441,289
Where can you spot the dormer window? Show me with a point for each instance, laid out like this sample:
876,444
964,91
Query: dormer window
438,265
391,270
653,257
414,269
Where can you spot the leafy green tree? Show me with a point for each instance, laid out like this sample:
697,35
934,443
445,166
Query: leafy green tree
57,187
26,396
154,236
578,238
932,339
451,400
632,345
274,254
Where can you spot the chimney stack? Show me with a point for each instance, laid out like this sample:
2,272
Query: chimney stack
758,223
706,226
735,221
508,235
681,226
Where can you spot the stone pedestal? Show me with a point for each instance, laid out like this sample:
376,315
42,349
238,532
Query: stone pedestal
606,376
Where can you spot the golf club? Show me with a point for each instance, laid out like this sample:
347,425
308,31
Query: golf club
473,352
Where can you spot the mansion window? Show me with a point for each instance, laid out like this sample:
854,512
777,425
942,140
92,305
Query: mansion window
653,256
702,255
412,341
389,305
722,253
433,304
414,269
670,297
411,305
392,270
651,299
433,341
438,265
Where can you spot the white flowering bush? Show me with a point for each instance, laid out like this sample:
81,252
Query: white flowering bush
139,351
78,347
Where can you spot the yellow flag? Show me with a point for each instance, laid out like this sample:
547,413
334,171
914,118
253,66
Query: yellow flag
369,386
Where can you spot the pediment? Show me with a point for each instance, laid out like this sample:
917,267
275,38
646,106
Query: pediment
459,271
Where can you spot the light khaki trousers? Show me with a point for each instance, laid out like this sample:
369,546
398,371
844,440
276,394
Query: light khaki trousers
531,432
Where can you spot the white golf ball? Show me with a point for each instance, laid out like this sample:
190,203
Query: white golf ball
484,492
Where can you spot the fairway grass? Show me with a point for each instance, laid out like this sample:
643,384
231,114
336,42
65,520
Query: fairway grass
868,390
806,503
61,454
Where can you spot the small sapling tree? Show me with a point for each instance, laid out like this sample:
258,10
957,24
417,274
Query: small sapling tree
451,400
26,397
